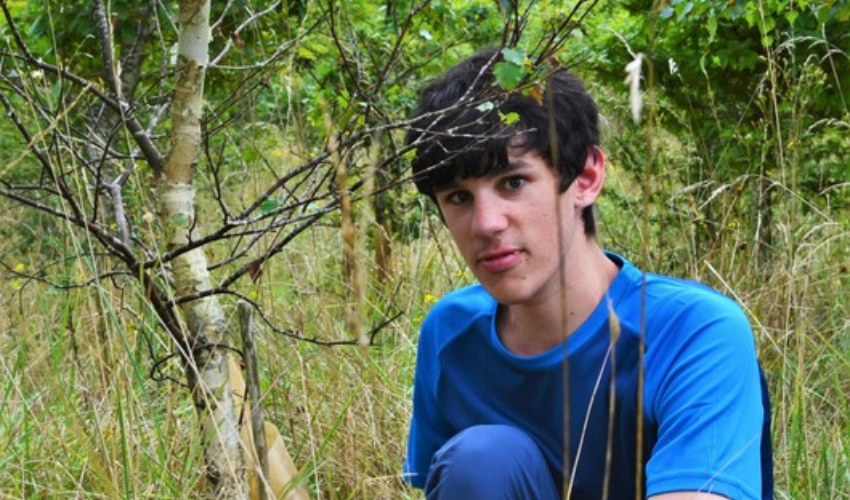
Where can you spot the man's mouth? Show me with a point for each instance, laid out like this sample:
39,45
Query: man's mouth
500,259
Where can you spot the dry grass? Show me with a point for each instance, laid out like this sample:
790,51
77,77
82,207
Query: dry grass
82,418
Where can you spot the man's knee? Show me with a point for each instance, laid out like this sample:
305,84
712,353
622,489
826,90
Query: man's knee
490,461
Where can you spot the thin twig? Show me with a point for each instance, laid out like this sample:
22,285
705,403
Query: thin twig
239,29
104,35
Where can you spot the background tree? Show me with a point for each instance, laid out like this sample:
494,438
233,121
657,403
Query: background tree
734,82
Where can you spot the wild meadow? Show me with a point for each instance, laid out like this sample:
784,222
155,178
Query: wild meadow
735,175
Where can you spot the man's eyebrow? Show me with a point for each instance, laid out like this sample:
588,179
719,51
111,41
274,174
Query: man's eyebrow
516,164
446,186
513,165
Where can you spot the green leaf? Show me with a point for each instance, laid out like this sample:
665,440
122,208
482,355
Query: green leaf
485,106
306,53
56,90
687,10
667,13
823,14
769,24
270,204
409,155
516,56
750,16
508,74
181,220
510,118
791,16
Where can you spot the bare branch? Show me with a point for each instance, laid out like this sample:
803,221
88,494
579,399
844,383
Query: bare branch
72,286
103,30
133,57
371,334
239,29
220,19
393,58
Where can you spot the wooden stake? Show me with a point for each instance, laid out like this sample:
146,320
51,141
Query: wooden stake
255,404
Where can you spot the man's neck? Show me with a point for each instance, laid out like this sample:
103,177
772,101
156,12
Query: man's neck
532,329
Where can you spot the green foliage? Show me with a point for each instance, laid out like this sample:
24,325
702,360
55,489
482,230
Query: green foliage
270,205
741,86
510,72
61,31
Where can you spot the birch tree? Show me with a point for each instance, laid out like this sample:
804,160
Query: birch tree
206,327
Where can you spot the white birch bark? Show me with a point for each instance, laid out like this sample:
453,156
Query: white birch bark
208,370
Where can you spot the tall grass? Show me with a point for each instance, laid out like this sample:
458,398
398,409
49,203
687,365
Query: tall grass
82,418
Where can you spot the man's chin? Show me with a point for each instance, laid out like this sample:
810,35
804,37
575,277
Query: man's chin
505,294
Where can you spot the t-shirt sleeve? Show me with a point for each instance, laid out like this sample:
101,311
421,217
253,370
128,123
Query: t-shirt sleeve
704,393
428,427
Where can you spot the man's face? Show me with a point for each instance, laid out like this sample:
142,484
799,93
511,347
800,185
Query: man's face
512,228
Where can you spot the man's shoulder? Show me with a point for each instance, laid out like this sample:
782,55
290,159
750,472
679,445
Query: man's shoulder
668,293
662,288
668,305
662,293
467,302
687,315
462,310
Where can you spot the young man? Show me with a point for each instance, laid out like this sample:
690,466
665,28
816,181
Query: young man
566,372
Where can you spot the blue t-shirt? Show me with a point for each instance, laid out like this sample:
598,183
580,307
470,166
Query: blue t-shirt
702,402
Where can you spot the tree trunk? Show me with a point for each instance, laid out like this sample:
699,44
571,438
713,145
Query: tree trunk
208,373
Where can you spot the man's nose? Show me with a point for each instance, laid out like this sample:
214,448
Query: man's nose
489,216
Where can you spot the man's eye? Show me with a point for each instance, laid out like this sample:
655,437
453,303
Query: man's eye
458,197
514,182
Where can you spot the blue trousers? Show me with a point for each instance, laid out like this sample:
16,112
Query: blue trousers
492,462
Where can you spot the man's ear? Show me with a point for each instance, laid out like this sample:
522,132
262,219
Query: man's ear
589,183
